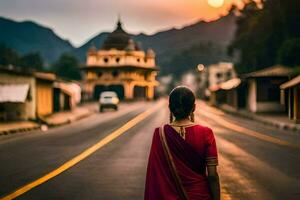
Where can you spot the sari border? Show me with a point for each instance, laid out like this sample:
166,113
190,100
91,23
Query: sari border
170,161
211,161
188,145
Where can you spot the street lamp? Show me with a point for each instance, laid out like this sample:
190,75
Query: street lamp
200,67
201,80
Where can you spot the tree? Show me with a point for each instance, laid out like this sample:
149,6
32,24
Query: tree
67,66
262,34
32,60
203,53
289,53
8,56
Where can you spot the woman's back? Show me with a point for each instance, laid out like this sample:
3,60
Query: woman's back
183,157
190,156
202,139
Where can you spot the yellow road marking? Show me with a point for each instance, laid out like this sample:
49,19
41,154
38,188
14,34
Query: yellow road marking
84,154
225,194
246,131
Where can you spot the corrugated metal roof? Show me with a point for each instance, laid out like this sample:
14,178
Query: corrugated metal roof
228,85
71,89
16,93
28,72
214,88
45,76
275,71
291,83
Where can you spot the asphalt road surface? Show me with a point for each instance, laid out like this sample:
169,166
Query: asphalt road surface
256,161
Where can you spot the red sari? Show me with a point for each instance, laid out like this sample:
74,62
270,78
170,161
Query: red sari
190,156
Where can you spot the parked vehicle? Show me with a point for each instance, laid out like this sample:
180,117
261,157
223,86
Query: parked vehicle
108,99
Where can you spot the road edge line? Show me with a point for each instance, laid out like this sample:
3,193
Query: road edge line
245,131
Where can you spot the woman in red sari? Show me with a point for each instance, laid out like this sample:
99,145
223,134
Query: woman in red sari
183,158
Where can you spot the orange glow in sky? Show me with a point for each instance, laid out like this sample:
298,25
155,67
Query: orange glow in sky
216,3
95,16
194,9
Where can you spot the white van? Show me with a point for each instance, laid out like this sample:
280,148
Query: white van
108,99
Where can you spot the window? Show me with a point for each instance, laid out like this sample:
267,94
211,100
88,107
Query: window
274,94
138,60
115,73
267,91
229,75
117,60
99,74
105,60
2,108
218,75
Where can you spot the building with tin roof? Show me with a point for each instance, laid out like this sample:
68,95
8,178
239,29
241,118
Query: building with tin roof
292,91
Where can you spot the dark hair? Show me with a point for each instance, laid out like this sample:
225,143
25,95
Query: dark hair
181,102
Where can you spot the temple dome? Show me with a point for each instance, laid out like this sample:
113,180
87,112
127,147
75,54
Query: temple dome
118,39
131,45
92,49
150,53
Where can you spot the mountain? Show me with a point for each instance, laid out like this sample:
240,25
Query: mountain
175,48
170,43
97,41
26,37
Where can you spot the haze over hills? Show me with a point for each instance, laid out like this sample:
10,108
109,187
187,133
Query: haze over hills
27,37
170,42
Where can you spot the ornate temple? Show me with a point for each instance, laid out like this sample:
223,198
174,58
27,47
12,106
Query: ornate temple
120,65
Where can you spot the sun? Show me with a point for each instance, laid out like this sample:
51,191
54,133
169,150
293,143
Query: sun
215,3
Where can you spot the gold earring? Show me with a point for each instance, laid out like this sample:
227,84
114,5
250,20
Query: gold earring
171,117
192,117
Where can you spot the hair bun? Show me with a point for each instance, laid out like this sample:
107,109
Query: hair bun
181,102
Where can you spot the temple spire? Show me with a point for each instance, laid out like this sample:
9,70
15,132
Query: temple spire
119,24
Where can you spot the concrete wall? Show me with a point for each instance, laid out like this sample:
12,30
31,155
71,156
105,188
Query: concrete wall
27,110
14,111
220,73
269,107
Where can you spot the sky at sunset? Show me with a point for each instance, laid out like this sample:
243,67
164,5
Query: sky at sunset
79,20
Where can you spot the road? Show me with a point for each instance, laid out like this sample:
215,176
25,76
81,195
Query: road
256,161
